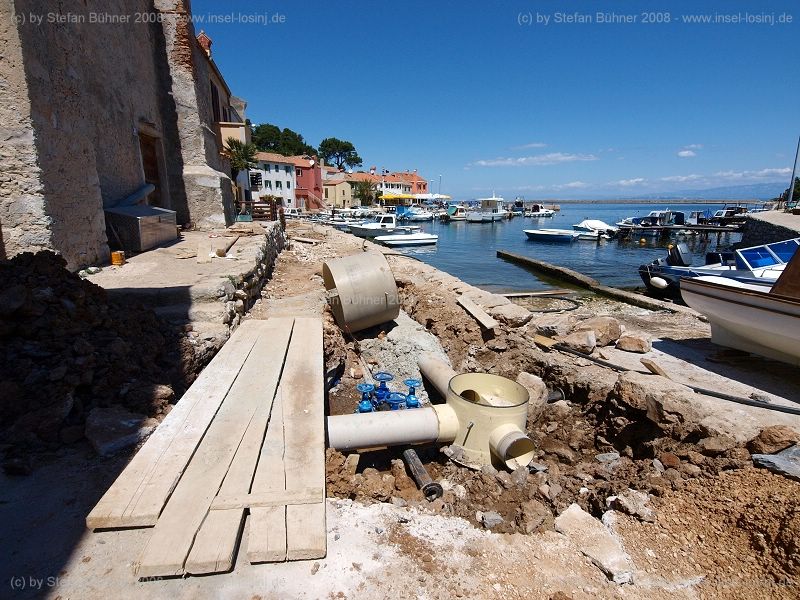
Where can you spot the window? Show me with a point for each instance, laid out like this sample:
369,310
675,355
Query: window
278,185
268,184
288,185
326,193
268,168
288,169
299,172
214,101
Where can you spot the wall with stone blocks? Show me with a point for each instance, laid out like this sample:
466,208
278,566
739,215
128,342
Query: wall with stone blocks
757,232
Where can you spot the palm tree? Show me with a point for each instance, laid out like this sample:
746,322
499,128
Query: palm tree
365,192
241,155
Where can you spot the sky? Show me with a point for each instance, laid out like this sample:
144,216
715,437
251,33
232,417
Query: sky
530,98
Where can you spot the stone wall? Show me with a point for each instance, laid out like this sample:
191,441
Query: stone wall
76,95
758,230
240,292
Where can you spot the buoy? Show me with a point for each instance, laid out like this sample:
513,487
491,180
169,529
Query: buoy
658,282
670,246
642,241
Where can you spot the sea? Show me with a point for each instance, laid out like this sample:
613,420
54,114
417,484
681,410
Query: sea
469,250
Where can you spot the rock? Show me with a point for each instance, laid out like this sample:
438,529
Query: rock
114,428
536,467
538,395
773,439
82,348
669,460
505,479
402,482
607,457
786,462
491,519
658,465
595,542
635,342
554,325
634,503
606,329
670,405
489,470
582,341
690,469
71,434
535,516
12,299
712,446
520,477
558,448
512,315
18,465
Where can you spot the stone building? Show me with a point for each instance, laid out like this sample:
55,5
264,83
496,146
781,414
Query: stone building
98,102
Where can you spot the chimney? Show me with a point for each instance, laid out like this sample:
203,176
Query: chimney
205,42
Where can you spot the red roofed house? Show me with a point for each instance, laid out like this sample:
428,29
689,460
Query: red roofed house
308,191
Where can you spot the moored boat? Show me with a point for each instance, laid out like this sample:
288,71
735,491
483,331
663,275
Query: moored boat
408,239
491,209
596,226
551,235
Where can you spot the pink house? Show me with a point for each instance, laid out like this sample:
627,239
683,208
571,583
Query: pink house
308,190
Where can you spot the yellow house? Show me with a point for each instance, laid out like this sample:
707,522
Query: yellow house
337,193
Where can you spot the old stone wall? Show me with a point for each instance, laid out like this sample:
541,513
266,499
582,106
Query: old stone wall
769,228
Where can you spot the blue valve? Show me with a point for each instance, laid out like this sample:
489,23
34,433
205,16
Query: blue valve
382,391
396,400
365,404
411,399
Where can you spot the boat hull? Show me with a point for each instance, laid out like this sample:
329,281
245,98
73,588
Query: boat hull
746,319
545,235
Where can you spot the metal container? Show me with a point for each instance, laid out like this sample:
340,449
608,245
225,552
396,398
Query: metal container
141,227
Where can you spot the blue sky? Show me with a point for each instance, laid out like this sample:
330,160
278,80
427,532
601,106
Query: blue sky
490,97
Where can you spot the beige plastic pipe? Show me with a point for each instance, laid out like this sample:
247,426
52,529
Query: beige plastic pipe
392,428
361,289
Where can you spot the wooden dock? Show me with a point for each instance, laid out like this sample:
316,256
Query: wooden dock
245,441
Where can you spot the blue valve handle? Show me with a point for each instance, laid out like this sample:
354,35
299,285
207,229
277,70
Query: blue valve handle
365,404
382,391
411,398
396,400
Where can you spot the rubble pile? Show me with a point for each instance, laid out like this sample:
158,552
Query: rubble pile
67,351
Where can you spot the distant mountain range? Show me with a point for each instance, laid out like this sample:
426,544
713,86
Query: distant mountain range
760,191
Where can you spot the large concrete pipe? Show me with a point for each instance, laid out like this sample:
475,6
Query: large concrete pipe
361,290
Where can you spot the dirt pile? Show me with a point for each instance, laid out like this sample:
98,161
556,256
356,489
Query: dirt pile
66,349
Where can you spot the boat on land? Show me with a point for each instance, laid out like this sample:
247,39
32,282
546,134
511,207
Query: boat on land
756,265
382,223
408,239
456,212
552,235
752,318
601,228
491,209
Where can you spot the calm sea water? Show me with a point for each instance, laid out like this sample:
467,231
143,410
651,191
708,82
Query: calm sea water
468,250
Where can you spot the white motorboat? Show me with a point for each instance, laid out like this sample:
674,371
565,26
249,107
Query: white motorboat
491,209
596,226
417,213
456,212
756,265
382,223
746,317
551,235
538,211
408,239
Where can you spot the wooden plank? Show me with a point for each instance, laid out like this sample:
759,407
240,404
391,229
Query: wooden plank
543,341
141,490
174,534
477,313
303,385
214,547
268,499
304,240
266,540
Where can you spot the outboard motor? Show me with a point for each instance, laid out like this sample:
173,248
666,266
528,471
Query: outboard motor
679,256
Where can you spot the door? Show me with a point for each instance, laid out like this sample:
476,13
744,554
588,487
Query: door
148,146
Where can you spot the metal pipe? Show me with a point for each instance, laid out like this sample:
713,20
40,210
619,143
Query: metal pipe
430,489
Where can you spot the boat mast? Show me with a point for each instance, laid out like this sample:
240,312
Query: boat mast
794,169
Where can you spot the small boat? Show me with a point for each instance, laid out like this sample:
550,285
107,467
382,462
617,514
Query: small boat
408,239
551,235
538,211
748,317
415,213
383,223
456,212
656,223
595,226
491,209
756,265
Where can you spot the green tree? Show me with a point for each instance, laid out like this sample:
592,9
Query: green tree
241,155
365,191
293,144
784,197
267,137
339,152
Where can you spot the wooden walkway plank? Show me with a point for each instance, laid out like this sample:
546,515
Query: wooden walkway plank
214,547
141,490
477,313
266,538
303,385
184,513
